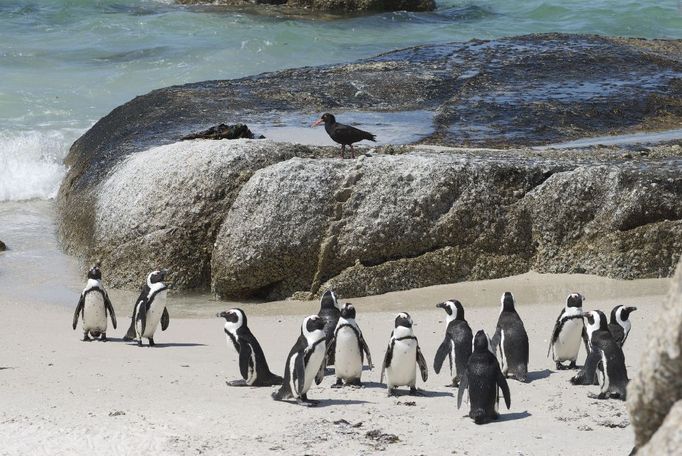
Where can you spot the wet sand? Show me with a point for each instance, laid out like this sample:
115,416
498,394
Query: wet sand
64,396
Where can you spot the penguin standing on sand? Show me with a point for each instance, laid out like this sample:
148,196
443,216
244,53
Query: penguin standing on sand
567,333
349,347
330,311
605,359
482,378
305,362
149,309
511,339
458,340
252,364
620,324
93,306
401,355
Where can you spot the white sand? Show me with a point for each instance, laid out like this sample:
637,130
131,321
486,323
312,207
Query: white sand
59,395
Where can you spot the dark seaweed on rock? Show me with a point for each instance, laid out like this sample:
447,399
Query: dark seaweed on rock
222,131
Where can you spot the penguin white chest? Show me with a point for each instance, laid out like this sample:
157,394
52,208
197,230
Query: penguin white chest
313,366
567,343
94,313
403,368
154,314
347,358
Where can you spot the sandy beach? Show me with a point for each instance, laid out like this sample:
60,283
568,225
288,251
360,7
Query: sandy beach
63,396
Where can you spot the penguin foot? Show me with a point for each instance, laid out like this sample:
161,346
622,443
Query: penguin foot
236,383
572,365
355,383
602,396
392,392
86,338
151,342
139,342
103,337
415,392
560,366
338,384
303,400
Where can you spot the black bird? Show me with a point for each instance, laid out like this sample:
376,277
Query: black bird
343,134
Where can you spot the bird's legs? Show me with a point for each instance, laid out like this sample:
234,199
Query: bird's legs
343,150
352,151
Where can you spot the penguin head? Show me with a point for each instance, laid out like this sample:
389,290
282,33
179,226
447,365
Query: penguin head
311,324
481,342
620,314
348,311
95,273
507,302
453,308
575,300
157,276
595,320
403,319
235,316
329,301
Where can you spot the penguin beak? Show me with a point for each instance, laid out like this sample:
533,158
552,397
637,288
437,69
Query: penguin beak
631,309
221,314
440,305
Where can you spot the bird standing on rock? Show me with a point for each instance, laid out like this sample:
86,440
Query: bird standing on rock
343,134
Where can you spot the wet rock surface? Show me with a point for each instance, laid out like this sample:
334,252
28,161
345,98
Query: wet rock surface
340,6
222,131
263,219
655,394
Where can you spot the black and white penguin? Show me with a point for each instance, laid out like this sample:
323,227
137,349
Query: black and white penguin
252,364
330,311
93,306
482,378
620,324
349,347
305,363
149,309
402,356
567,333
458,340
605,360
511,339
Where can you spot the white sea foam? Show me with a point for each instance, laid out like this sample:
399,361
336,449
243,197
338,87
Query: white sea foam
31,163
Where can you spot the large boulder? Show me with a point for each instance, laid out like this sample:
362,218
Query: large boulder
657,387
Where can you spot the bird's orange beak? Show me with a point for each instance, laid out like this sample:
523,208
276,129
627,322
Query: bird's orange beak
317,122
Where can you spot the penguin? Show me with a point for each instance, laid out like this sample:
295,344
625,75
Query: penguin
620,325
252,364
349,347
93,306
568,330
149,309
605,359
305,362
401,355
330,311
482,378
511,339
458,340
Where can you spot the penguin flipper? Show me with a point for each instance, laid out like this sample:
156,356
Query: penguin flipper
463,385
365,348
79,309
504,386
441,353
586,340
320,372
422,364
298,374
245,362
387,360
495,341
142,315
165,319
110,309
555,333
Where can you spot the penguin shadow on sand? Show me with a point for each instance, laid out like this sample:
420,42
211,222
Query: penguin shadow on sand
539,375
167,344
512,416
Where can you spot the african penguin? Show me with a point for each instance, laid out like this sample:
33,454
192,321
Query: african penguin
93,306
620,324
458,340
567,333
482,378
349,347
605,360
511,339
305,362
330,311
401,355
252,364
149,309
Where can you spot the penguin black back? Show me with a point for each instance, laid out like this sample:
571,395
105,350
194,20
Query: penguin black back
512,340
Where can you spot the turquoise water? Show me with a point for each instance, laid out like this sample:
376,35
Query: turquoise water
64,64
